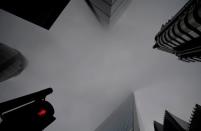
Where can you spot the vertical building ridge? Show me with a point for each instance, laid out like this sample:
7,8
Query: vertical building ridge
124,118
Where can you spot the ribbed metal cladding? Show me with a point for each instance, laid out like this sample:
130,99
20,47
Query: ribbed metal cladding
124,118
181,35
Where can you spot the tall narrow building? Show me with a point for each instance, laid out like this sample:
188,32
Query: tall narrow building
181,35
108,11
12,62
195,119
174,123
40,12
124,118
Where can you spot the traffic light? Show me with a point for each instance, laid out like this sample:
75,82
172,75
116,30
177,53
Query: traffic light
27,113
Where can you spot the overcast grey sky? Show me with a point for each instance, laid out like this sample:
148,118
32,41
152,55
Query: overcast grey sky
91,68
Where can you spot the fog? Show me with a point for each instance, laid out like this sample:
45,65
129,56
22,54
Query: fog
92,68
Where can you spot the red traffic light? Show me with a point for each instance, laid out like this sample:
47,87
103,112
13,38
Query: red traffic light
42,112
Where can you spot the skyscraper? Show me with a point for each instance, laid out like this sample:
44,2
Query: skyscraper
12,62
124,118
43,13
181,35
174,123
108,11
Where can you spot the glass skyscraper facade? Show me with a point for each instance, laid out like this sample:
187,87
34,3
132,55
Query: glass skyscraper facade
124,118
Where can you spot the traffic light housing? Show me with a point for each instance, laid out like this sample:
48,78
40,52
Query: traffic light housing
34,115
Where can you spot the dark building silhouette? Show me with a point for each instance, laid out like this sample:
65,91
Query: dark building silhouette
108,11
27,113
196,119
158,126
181,35
40,12
173,123
12,62
124,118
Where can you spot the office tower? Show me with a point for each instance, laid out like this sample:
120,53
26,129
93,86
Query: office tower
40,12
124,118
173,123
12,62
158,126
196,119
181,35
107,11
